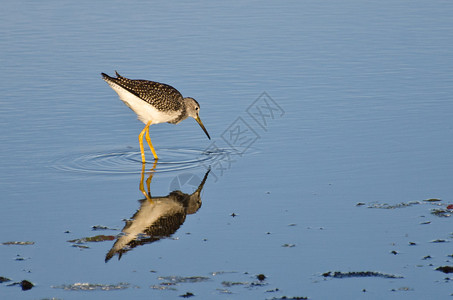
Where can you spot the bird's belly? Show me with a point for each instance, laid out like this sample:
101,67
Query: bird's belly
145,112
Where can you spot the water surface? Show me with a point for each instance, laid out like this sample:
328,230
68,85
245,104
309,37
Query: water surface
341,104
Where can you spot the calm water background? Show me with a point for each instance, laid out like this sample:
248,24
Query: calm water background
366,90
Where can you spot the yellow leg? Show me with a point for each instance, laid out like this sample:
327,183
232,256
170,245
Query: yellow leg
148,139
140,142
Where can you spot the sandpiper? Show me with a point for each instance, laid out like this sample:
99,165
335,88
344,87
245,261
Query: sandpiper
154,103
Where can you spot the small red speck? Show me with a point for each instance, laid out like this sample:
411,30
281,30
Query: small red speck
450,206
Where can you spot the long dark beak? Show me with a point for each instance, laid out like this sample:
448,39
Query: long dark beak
202,126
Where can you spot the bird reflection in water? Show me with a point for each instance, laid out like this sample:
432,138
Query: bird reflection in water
157,217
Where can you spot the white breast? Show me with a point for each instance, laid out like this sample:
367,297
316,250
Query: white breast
145,111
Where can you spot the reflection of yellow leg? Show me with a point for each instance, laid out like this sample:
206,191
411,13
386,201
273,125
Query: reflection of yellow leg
142,189
148,139
148,181
147,194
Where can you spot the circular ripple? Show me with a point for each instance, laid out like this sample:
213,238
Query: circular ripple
128,161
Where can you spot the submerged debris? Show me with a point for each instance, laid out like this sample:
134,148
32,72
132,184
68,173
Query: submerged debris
398,205
175,282
223,272
234,283
97,238
432,200
445,269
80,246
246,284
171,281
359,274
20,258
181,279
18,243
255,284
163,288
403,288
290,298
100,227
4,279
167,283
85,286
439,241
439,212
224,291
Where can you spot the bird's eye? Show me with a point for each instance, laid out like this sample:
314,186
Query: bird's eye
196,108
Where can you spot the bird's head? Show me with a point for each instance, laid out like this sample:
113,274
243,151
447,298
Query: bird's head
193,110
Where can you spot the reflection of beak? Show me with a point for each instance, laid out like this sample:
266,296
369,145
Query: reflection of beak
202,126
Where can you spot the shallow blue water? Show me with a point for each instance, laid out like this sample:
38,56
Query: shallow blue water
357,109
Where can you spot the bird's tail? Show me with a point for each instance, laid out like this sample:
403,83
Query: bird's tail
107,77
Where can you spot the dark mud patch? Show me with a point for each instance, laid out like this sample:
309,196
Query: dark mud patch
445,269
359,274
261,277
24,284
187,295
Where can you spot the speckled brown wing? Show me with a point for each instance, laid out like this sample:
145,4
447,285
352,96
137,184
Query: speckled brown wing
162,96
